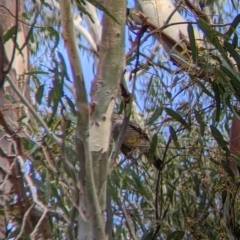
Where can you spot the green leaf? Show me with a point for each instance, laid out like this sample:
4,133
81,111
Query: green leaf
226,165
178,118
155,115
215,161
63,64
224,196
23,119
174,137
39,94
213,37
153,147
193,45
219,138
54,35
234,80
61,203
168,94
136,182
30,145
175,81
196,184
176,235
71,105
233,26
217,92
203,200
235,110
235,40
56,93
150,81
206,28
54,111
9,34
98,5
233,53
148,234
200,121
221,77
31,73
235,158
205,90
36,81
10,98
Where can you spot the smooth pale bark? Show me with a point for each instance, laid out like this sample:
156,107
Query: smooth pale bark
92,142
175,38
89,221
104,91
163,12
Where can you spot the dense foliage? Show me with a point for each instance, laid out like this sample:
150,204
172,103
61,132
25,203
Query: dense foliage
186,111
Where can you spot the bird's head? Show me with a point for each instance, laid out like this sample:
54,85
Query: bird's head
116,117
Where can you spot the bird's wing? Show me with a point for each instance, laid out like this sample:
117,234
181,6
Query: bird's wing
125,149
138,128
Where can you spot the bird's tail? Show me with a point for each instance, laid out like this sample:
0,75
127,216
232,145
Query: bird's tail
156,161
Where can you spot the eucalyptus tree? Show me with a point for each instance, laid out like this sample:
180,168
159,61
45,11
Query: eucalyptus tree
62,176
40,135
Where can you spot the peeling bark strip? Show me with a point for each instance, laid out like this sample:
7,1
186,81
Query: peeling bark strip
2,49
235,143
2,58
12,157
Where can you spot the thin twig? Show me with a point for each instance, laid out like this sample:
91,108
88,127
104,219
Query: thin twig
6,177
157,189
30,32
20,20
132,233
34,232
201,14
172,13
24,221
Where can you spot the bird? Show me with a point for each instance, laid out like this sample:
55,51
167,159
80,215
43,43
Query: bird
134,138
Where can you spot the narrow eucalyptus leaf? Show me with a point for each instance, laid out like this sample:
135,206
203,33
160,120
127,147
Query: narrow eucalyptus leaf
31,73
176,235
39,94
157,113
174,137
200,121
218,137
148,234
233,26
71,105
9,34
153,146
178,118
192,40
